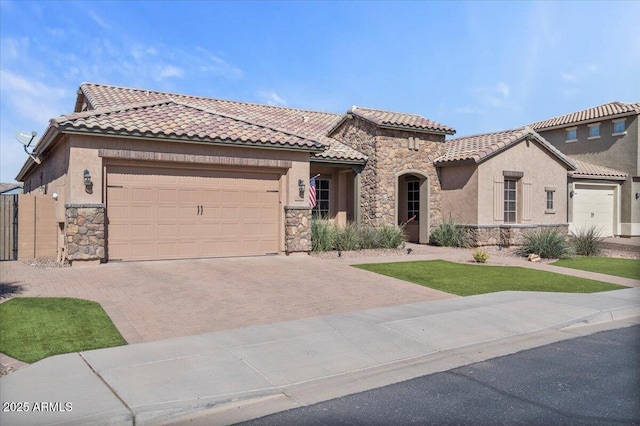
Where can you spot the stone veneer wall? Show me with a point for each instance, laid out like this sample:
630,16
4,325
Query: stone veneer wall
506,235
297,229
84,231
389,154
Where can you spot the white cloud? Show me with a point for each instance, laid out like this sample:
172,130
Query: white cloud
567,76
468,110
32,99
494,96
272,98
98,20
168,71
220,67
12,48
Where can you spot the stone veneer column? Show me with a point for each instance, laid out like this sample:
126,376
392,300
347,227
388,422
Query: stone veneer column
297,229
84,232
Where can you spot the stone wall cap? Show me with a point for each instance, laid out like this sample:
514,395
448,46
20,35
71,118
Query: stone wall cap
516,225
85,206
297,207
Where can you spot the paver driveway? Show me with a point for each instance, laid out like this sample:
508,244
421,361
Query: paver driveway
159,300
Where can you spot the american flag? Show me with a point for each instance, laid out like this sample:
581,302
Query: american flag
312,192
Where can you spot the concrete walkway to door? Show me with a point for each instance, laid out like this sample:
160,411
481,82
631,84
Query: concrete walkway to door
150,301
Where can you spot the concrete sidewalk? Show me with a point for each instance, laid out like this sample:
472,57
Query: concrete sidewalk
230,376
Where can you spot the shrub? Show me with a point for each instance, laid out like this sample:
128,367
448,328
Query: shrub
323,235
390,236
480,256
327,236
546,243
449,234
369,238
347,237
586,241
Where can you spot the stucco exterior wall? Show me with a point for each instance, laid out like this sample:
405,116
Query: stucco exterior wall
51,177
539,170
390,156
460,198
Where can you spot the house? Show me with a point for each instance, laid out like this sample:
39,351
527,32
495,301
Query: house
143,175
10,188
504,184
604,191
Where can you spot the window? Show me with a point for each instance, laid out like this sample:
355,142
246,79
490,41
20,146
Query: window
413,199
594,131
510,200
549,200
572,134
321,209
619,127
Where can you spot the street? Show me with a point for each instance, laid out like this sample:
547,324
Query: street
592,380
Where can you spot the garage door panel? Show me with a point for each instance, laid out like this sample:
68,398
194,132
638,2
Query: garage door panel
156,213
168,213
166,230
593,206
211,196
140,230
212,228
168,195
141,194
230,214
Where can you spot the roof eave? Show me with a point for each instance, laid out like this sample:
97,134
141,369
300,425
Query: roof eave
416,129
348,161
194,140
591,120
574,175
460,162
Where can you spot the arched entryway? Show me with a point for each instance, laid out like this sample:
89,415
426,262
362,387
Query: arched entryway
412,204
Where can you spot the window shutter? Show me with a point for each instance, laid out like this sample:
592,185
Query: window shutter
498,198
526,199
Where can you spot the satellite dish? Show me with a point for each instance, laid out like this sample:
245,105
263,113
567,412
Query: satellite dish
25,139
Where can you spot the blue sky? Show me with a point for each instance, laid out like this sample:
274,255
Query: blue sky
474,66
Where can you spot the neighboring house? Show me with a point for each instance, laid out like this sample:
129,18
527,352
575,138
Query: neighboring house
144,175
605,189
503,184
10,188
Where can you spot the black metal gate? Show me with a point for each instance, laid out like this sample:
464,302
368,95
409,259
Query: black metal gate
9,227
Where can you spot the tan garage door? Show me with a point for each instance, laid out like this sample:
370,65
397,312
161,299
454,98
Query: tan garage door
176,214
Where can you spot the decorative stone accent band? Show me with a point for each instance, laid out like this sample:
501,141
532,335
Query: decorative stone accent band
506,235
84,231
297,229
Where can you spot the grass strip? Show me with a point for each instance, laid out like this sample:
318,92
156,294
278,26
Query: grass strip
35,328
470,279
626,268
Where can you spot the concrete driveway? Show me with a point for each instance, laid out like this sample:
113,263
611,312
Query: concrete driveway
150,301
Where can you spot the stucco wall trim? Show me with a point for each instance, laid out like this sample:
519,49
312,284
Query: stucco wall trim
193,159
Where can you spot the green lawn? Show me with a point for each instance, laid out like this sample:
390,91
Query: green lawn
35,328
468,279
627,268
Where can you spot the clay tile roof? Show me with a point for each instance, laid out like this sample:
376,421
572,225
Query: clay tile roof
590,114
171,119
477,148
400,120
311,126
588,170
